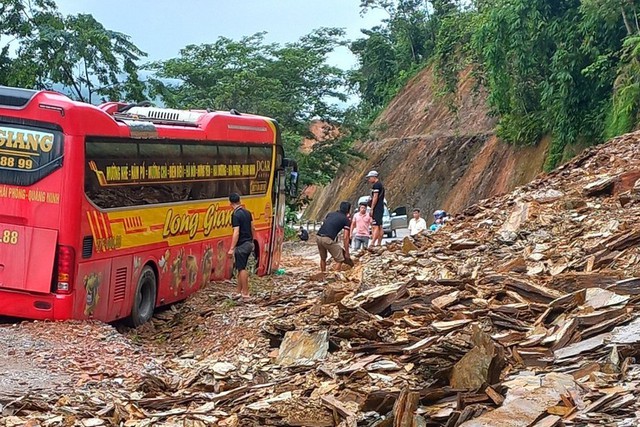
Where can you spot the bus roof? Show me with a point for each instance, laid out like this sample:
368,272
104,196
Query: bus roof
119,120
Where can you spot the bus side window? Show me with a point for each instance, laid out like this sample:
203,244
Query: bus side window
155,172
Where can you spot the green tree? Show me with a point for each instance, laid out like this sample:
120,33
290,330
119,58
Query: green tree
616,21
623,114
376,79
19,21
545,71
74,51
292,83
391,53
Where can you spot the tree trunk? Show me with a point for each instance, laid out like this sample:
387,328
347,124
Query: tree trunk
86,75
631,4
626,21
77,88
413,51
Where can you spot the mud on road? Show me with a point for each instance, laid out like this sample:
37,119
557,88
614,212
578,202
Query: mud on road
19,370
55,358
74,369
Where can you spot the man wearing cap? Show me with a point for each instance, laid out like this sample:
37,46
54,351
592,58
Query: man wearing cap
328,233
377,207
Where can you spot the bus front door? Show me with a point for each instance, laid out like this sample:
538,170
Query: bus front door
277,231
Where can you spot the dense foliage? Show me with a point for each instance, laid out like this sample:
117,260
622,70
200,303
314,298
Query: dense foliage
43,49
564,68
569,69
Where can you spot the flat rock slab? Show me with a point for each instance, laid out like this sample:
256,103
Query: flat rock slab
627,334
524,405
300,347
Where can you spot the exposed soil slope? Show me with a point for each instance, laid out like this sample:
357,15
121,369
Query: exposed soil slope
430,157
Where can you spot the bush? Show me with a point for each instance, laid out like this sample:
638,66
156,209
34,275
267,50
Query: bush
290,233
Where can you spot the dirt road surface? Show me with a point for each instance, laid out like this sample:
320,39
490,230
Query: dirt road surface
63,373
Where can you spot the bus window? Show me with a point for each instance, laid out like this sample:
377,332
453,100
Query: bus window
116,175
154,151
261,158
132,173
232,157
110,150
203,155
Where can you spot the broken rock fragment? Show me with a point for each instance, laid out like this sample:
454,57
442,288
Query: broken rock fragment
300,347
473,370
527,400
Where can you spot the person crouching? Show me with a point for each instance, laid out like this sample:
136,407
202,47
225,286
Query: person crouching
328,233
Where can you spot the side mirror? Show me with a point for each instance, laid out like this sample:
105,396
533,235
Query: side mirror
393,214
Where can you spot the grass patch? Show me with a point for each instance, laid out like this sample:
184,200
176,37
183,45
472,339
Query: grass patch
228,304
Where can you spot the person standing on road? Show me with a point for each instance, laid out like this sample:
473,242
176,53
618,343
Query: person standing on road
361,223
417,224
377,207
241,242
328,233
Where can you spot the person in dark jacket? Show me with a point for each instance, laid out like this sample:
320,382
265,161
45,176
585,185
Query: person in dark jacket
327,237
377,207
303,234
241,242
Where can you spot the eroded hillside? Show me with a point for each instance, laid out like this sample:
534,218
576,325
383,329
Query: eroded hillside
430,157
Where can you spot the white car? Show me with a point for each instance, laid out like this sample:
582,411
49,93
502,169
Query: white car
391,221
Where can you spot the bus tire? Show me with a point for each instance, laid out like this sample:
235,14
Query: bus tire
144,300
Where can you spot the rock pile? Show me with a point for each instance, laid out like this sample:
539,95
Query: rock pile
523,311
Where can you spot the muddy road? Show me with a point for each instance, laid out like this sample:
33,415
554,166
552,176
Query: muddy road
68,371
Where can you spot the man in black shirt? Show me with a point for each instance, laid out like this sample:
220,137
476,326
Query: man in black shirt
241,242
377,207
331,227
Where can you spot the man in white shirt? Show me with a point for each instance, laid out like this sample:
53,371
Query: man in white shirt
417,224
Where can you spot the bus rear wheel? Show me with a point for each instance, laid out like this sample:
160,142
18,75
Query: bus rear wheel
144,301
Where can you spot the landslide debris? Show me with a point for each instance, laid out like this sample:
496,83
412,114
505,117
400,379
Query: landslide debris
522,311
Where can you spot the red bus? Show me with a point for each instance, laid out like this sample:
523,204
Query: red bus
110,211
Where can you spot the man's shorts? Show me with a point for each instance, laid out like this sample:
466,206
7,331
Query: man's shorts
377,218
327,244
242,253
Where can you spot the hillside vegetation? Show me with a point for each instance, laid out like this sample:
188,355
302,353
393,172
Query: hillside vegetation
567,69
468,99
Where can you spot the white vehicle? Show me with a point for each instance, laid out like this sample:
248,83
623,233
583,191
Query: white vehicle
391,221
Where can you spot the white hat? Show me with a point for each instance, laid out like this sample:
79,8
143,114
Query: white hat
372,173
